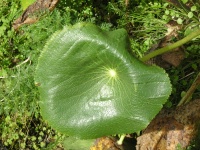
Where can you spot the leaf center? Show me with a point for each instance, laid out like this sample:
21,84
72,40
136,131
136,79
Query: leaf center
112,73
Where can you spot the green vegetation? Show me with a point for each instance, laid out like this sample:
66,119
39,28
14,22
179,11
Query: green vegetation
21,125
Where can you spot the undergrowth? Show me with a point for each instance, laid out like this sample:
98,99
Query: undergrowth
21,125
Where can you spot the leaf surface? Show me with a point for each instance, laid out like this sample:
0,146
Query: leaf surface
91,85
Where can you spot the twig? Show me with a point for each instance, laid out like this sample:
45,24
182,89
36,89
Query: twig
186,76
191,90
25,61
2,77
126,2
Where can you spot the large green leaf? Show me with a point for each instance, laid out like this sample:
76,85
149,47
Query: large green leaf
72,143
91,86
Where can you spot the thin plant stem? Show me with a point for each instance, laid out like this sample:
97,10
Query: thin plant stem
121,139
191,90
172,46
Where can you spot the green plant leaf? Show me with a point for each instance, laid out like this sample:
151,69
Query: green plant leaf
184,1
26,3
190,14
71,143
179,21
194,8
91,86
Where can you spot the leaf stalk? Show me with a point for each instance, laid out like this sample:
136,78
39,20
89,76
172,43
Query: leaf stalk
172,46
121,139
